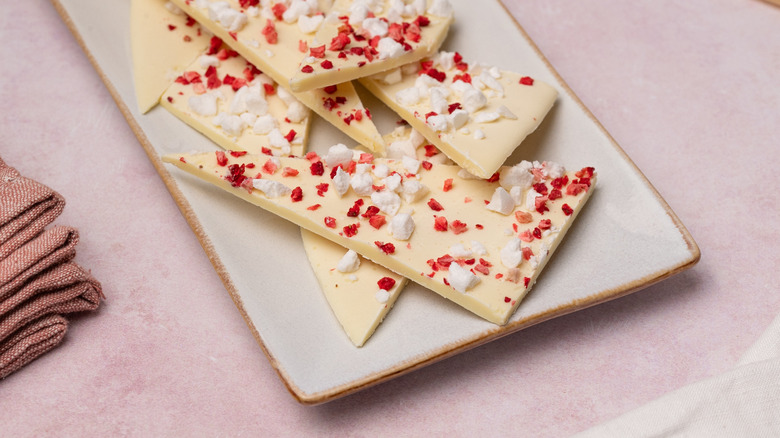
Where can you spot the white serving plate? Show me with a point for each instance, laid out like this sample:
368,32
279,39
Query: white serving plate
625,239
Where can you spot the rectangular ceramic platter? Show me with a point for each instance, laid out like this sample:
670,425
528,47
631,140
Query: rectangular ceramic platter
625,239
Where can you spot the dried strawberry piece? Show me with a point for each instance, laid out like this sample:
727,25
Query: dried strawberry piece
494,177
330,222
358,115
386,283
440,223
482,269
527,253
526,236
326,64
430,150
307,69
436,74
523,217
537,233
348,119
434,205
387,248
278,10
447,185
221,158
314,207
585,172
526,281
317,168
297,194
454,106
269,31
366,158
354,211
289,171
541,204
247,3
541,188
575,189
445,261
303,46
312,156
525,80
545,224
269,90
236,175
322,189
270,167
330,89
266,151
371,211
422,21
458,227
567,210
427,165
317,52
377,221
465,77
214,44
555,194
351,230
291,135
339,42
558,183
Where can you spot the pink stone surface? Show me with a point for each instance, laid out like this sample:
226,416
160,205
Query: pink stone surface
689,90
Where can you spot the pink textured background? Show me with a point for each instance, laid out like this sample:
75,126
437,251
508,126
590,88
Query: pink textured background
689,90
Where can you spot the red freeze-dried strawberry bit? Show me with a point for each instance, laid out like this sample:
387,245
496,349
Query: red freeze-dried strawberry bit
537,233
386,283
526,280
214,44
422,21
326,64
507,299
349,119
567,210
430,150
434,204
221,158
427,165
297,194
339,42
527,253
436,74
291,135
465,77
307,69
555,194
482,269
558,183
270,167
322,189
377,221
458,227
171,27
545,224
303,46
540,188
366,158
317,52
440,223
269,31
541,204
289,171
523,217
453,106
354,211
575,189
525,80
387,248
278,10
330,222
317,168
190,21
330,89
314,207
447,185
269,89
526,236
236,176
585,172
312,156
266,151
494,177
351,230
479,226
371,211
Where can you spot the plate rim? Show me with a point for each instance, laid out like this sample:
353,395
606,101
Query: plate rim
443,352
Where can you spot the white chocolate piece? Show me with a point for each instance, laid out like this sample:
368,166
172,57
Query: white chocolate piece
228,125
424,257
351,295
341,107
494,122
388,53
154,30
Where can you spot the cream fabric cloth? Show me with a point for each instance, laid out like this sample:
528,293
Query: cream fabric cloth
743,402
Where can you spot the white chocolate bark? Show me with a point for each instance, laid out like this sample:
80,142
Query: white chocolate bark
364,37
274,45
474,114
156,28
355,297
237,107
445,233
